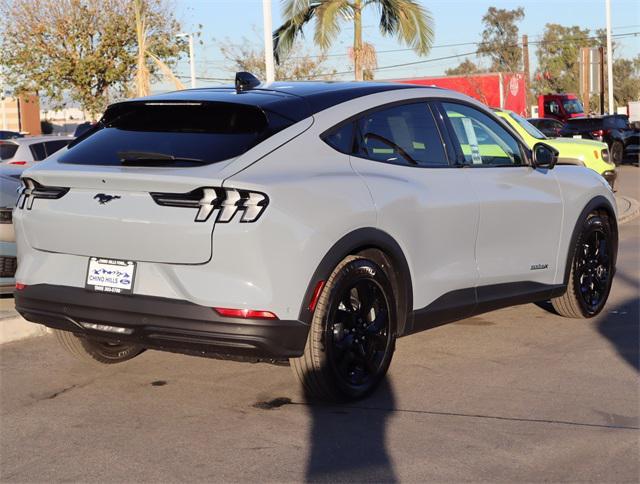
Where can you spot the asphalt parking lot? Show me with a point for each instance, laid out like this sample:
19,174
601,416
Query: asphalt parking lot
514,395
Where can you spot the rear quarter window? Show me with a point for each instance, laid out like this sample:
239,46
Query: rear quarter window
341,138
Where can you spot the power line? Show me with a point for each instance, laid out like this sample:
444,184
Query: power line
476,52
454,56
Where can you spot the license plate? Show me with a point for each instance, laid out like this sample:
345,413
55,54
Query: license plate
110,275
579,136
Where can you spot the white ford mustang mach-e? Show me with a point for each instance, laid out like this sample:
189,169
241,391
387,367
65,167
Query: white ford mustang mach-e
311,222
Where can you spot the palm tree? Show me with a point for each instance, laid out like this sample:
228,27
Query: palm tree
406,19
143,75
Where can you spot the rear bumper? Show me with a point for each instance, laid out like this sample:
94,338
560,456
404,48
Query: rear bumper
159,323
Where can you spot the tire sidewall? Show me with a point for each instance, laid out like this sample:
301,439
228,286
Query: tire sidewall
617,147
101,352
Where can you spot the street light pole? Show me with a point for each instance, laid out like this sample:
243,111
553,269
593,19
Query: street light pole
268,40
192,63
609,57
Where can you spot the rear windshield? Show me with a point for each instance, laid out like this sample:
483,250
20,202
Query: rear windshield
7,150
173,134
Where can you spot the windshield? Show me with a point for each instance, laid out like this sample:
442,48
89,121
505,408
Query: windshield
573,106
527,126
174,134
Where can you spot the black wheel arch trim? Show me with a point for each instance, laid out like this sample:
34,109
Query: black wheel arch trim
364,241
597,203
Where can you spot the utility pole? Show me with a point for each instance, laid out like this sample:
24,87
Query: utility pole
525,58
609,57
601,67
585,68
268,41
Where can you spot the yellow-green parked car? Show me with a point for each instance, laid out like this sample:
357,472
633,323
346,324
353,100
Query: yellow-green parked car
589,153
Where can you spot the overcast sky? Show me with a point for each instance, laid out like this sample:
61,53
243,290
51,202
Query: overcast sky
456,22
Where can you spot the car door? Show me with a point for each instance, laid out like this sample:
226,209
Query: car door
520,207
422,200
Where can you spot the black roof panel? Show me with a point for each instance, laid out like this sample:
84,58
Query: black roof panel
295,100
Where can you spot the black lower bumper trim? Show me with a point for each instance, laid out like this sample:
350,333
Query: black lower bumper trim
166,324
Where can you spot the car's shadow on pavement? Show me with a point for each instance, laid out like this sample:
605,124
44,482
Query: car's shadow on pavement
348,443
621,327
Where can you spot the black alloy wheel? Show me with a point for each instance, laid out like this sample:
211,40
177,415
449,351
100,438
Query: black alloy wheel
593,269
358,334
352,336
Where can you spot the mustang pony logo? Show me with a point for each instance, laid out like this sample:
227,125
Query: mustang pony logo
104,198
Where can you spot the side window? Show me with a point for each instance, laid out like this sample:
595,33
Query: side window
53,146
38,151
551,107
341,139
406,135
483,141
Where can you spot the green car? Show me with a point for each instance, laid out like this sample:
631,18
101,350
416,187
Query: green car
589,153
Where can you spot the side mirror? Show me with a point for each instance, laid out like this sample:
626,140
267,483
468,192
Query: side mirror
544,156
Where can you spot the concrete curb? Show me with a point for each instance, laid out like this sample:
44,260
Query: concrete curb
628,209
16,328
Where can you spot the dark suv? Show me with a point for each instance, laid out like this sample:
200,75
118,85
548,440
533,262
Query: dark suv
549,127
623,140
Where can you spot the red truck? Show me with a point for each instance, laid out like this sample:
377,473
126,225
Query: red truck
498,90
560,106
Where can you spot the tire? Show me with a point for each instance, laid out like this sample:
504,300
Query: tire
349,348
96,352
591,270
617,152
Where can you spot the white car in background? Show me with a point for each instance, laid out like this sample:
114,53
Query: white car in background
25,152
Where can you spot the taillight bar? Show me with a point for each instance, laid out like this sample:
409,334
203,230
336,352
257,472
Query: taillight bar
228,202
31,189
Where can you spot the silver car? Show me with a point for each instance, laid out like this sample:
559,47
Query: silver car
24,152
311,222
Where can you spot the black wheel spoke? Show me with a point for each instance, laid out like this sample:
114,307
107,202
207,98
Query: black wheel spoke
366,297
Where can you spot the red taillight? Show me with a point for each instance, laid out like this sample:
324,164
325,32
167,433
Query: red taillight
20,286
245,313
17,162
316,295
598,132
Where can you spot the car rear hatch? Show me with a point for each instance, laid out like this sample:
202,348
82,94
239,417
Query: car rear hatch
145,184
